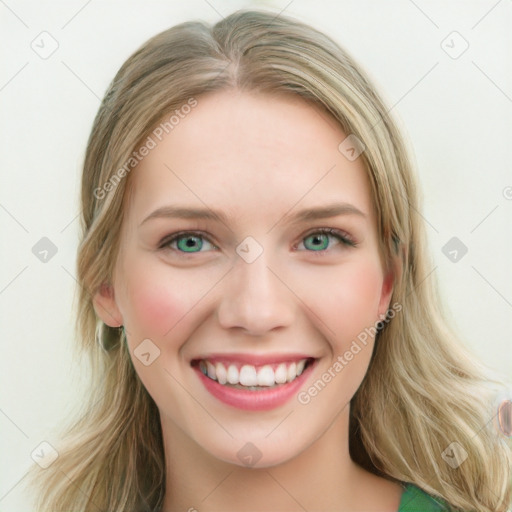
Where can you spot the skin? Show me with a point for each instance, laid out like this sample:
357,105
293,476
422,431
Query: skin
259,159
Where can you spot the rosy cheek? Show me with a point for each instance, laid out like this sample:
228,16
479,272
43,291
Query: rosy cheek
354,300
158,310
149,307
366,284
153,309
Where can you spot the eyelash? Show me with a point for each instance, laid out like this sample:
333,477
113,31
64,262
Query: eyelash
342,236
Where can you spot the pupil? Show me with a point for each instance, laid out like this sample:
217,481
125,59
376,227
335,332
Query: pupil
190,242
319,241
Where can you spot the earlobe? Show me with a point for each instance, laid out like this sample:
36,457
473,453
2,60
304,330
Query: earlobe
387,287
385,297
106,307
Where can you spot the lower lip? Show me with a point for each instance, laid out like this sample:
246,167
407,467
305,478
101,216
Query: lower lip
263,400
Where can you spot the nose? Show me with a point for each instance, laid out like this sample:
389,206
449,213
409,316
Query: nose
255,298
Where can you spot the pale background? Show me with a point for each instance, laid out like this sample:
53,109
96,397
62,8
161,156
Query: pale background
456,113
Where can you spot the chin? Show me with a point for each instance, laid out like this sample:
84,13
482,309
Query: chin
258,454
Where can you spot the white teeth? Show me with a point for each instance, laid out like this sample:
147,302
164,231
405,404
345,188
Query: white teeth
221,373
280,374
292,372
249,376
232,374
266,376
211,370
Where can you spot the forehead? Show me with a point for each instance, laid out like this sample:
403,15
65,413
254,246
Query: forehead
249,154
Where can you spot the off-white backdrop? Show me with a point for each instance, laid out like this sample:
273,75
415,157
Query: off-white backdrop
443,67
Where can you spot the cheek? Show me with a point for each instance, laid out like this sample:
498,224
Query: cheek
158,301
352,311
156,310
361,290
349,300
151,307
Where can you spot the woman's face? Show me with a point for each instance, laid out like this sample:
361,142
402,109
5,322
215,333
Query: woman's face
251,291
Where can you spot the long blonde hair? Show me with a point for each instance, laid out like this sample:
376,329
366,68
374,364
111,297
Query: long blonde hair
421,393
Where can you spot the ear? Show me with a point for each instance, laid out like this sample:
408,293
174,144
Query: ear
106,307
387,286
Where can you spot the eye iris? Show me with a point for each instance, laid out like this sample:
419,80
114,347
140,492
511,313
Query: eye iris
191,243
322,238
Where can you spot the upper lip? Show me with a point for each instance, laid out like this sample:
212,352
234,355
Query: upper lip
253,359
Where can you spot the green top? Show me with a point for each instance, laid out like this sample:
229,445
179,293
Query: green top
416,500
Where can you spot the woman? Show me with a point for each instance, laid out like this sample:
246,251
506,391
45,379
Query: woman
255,294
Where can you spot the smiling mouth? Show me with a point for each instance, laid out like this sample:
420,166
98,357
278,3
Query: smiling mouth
250,377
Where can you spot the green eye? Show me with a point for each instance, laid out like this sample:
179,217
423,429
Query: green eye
190,243
318,241
186,243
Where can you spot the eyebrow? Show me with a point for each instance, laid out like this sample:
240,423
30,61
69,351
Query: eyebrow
307,214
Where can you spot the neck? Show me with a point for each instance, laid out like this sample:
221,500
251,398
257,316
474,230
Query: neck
198,481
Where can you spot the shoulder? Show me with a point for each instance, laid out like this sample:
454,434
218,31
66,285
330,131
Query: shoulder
416,500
